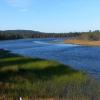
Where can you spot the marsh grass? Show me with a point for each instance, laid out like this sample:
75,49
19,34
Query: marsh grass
83,42
37,78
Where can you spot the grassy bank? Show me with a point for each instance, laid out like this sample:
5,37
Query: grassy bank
83,42
37,78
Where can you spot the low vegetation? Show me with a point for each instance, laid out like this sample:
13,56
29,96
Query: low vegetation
86,38
82,42
38,79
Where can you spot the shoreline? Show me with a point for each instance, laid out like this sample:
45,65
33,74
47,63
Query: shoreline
82,42
30,75
27,76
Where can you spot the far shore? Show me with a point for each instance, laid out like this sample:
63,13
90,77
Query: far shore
82,42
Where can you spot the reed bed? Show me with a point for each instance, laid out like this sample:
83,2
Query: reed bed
38,79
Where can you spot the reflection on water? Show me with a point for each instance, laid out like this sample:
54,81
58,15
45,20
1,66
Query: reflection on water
79,57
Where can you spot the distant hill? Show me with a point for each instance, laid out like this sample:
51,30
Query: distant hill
22,31
17,34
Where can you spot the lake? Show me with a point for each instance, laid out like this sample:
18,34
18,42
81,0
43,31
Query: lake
84,58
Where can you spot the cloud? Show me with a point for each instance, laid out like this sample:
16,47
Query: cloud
23,5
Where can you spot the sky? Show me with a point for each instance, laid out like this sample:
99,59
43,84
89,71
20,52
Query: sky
50,15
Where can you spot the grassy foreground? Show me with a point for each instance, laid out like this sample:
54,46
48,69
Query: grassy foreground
83,42
32,79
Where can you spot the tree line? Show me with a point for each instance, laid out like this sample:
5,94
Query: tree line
91,35
21,34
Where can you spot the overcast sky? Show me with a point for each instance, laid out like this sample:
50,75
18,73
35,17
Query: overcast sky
50,15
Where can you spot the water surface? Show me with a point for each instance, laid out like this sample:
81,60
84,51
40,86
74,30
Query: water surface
83,58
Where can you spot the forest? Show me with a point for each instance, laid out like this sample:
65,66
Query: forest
91,36
21,34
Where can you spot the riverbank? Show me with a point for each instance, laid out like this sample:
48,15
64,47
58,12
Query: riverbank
37,78
82,42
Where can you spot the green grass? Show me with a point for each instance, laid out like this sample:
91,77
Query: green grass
38,78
